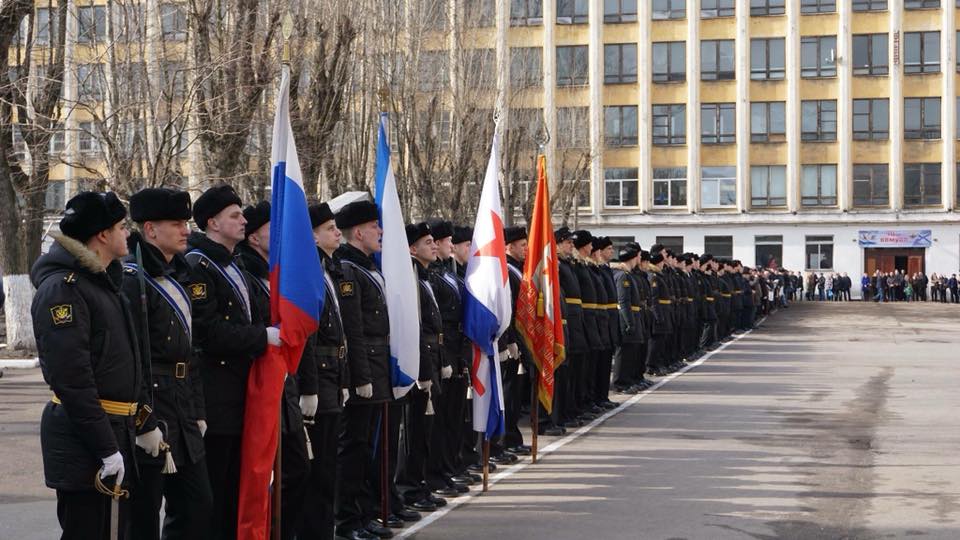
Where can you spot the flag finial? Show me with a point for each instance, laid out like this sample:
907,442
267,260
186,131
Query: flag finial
286,28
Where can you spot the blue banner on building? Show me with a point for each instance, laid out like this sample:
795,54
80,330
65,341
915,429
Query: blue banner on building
892,239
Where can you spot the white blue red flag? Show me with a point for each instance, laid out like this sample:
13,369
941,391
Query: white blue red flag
401,289
486,303
296,301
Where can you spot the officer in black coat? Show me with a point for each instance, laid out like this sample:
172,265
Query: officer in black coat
736,301
643,288
662,322
726,299
576,341
513,357
178,402
602,254
602,314
254,252
230,335
89,355
583,381
363,308
628,308
707,281
443,470
322,378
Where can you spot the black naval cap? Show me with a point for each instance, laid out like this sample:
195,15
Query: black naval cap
89,212
656,248
440,228
160,204
581,238
416,231
562,234
319,214
257,216
357,213
212,202
644,255
635,245
627,253
705,258
656,258
601,242
462,234
513,234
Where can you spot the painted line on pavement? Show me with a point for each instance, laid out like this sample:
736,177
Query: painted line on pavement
26,363
526,461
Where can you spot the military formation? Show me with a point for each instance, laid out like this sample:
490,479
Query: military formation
146,339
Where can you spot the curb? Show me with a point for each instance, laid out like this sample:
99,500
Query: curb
26,363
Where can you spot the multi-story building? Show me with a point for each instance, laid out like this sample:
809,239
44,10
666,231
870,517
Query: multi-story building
821,134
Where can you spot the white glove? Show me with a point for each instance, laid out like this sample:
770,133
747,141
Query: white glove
346,395
446,372
365,391
273,336
503,356
513,351
308,405
113,465
202,424
150,441
424,386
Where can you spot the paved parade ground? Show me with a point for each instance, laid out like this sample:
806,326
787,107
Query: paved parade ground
832,421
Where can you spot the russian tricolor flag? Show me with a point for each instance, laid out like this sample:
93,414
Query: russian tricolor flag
487,304
296,301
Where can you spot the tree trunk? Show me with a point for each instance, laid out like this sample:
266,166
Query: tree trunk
19,296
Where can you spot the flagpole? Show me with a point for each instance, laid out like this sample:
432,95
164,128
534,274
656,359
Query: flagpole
486,464
384,93
534,414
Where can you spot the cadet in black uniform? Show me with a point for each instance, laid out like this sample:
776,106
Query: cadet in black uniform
662,321
98,384
178,404
736,301
230,336
603,254
255,254
602,315
323,382
363,308
643,288
628,300
576,342
708,291
583,381
443,470
512,371
726,299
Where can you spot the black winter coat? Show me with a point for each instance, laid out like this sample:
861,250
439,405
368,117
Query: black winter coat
363,308
588,292
576,342
431,329
660,304
628,305
602,313
323,367
613,319
228,336
88,351
448,290
177,387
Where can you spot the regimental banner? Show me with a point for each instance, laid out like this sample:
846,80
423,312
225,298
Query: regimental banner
894,239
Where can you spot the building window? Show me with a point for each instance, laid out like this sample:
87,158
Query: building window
173,22
870,54
46,26
716,60
434,74
711,9
669,124
718,246
871,185
921,4
619,11
769,250
92,24
767,59
718,187
620,63
673,243
670,187
818,56
89,83
175,80
669,9
819,120
526,67
871,119
958,118
759,8
956,187
921,118
573,127
57,141
869,5
526,12
718,123
620,125
921,52
572,65
768,121
669,61
86,142
768,186
621,187
818,185
54,199
818,6
819,252
572,11
921,184
479,13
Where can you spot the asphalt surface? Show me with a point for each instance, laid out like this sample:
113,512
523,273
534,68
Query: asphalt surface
833,421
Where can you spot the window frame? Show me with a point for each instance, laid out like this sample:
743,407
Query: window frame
530,14
579,120
768,72
177,12
622,76
871,179
672,12
768,135
816,7
872,133
573,80
923,67
669,76
871,69
619,16
719,9
671,182
923,4
575,17
769,200
822,198
622,185
821,71
99,30
723,185
926,170
620,139
819,241
862,6
711,243
671,136
718,136
531,78
926,131
821,134
719,73
767,8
